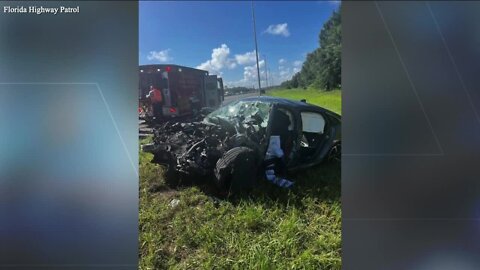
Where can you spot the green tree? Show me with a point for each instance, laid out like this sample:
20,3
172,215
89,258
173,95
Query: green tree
322,67
330,63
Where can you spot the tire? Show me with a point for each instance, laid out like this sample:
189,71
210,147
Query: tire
237,169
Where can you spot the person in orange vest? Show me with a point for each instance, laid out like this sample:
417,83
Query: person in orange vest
155,96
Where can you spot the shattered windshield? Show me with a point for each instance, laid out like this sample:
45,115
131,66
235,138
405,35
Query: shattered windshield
243,111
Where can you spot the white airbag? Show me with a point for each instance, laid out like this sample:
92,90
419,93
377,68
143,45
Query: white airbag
313,122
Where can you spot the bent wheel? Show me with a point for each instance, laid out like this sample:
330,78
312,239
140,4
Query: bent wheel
236,169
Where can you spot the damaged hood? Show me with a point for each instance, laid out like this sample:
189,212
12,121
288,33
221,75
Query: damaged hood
194,148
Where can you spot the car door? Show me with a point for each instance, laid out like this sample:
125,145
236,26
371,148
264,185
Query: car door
315,136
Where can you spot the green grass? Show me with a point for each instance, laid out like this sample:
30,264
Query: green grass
328,99
269,228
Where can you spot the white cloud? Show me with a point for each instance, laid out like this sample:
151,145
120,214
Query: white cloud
250,76
275,77
219,60
334,3
160,56
250,72
278,29
282,61
285,72
246,58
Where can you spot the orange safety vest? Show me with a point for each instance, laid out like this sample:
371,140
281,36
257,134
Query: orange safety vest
155,95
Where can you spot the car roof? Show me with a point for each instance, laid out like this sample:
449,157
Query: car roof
287,102
278,100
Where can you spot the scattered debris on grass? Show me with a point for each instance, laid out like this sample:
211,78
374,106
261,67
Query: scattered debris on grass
173,203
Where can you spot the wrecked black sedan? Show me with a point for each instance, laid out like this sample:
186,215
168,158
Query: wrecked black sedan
247,140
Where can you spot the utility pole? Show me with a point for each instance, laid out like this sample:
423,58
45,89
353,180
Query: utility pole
271,79
266,72
256,49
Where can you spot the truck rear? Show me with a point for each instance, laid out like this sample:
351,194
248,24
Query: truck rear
184,90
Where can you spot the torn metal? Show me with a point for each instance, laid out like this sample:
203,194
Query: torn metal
193,149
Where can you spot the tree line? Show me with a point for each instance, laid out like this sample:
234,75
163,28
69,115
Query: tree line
322,67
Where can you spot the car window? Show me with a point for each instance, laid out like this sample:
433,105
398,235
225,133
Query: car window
313,122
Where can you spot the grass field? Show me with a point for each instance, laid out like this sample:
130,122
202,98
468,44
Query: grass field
270,228
330,100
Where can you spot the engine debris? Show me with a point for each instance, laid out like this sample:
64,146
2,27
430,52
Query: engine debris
193,149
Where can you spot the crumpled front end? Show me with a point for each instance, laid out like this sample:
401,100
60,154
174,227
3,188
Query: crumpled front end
193,149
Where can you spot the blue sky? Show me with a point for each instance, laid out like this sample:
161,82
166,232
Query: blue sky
218,36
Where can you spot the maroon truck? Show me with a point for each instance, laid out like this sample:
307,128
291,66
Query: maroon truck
184,90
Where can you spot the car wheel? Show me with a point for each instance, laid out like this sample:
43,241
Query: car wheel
335,154
236,170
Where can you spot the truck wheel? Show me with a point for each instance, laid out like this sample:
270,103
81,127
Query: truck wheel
236,170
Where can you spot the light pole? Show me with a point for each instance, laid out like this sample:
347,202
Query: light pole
256,49
272,83
266,72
